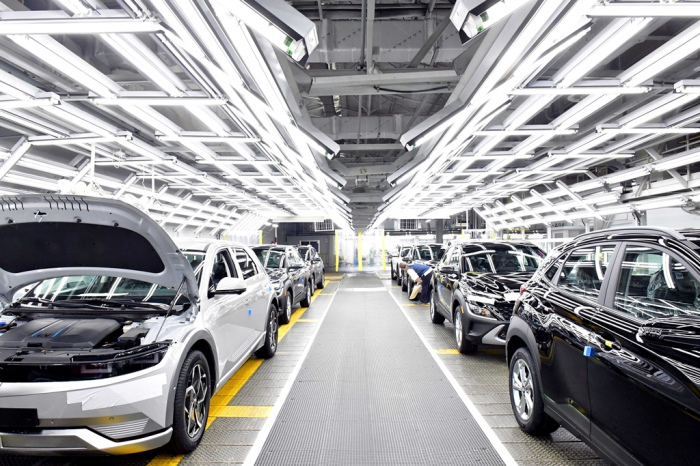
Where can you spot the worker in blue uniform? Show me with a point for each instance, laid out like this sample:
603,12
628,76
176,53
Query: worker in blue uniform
425,277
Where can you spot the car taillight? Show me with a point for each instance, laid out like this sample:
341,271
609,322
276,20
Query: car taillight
523,289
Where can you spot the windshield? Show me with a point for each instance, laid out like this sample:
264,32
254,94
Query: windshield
270,258
425,253
502,259
302,251
404,251
438,252
91,287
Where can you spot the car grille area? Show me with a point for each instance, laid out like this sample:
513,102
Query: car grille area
121,430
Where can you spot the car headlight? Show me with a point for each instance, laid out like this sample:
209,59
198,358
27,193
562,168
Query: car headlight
484,310
126,362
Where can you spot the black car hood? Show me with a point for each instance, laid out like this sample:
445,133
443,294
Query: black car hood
499,290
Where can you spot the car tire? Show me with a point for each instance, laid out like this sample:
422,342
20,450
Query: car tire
526,395
393,273
312,284
398,277
464,346
286,316
404,285
306,302
269,348
322,283
435,316
192,396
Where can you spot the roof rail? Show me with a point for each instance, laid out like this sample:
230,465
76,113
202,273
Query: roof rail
631,230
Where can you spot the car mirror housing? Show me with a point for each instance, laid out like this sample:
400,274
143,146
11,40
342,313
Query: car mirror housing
446,269
316,259
230,285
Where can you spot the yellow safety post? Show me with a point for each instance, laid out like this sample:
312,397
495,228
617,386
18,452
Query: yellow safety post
337,251
359,251
462,234
383,253
261,237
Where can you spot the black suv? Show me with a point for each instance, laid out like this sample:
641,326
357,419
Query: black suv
427,254
475,286
289,276
605,340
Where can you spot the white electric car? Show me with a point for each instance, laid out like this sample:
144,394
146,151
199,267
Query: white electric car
120,336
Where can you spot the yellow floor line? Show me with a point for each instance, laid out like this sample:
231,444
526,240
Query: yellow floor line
307,320
241,411
445,351
219,402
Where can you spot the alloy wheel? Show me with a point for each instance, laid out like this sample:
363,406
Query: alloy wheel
289,308
272,327
432,307
195,405
458,328
308,294
523,391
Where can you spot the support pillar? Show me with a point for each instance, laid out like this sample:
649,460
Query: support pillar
439,224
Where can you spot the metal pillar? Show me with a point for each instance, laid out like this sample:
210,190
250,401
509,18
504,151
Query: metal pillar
439,224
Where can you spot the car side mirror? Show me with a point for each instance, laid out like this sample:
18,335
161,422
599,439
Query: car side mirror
316,259
230,285
448,269
296,266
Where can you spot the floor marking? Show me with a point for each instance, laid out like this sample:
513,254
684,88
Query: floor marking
445,351
241,411
264,433
218,406
485,427
307,320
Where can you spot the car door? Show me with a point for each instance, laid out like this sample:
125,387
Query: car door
257,289
645,396
296,274
568,308
449,278
225,314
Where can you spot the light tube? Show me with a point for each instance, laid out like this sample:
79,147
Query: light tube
77,7
78,140
236,139
158,101
19,149
673,162
80,26
627,175
647,10
659,204
648,130
579,90
524,132
44,102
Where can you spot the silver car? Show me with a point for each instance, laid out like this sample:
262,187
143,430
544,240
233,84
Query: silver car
120,336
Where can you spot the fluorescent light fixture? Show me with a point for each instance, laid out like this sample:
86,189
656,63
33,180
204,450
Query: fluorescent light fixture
158,101
525,132
77,7
471,17
648,130
236,139
625,175
669,163
579,90
688,86
91,25
660,204
77,139
284,26
19,149
42,102
647,10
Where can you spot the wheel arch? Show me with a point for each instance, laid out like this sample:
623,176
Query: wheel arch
520,335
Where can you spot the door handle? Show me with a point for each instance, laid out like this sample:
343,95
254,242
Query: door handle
605,343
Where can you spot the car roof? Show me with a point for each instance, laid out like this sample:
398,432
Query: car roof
198,244
494,242
624,231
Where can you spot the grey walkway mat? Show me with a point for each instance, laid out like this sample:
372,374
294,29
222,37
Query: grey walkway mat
369,393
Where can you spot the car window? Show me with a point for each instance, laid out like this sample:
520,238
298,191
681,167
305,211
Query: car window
654,284
305,253
585,269
424,253
438,252
404,251
454,258
477,263
554,268
246,264
270,258
223,267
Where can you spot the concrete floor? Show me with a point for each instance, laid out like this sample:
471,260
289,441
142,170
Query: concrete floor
240,410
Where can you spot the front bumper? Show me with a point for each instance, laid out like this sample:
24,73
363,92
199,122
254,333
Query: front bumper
57,442
486,331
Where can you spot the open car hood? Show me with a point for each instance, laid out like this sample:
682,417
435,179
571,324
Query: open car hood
47,236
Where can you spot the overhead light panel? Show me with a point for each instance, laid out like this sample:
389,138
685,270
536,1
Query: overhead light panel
280,23
471,17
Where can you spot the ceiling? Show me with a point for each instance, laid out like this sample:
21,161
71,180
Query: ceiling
563,110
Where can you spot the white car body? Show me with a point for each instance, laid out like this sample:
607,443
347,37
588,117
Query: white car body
132,412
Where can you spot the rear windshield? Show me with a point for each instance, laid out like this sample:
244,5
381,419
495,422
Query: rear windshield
270,258
501,258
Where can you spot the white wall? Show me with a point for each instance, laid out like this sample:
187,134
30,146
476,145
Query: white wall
672,217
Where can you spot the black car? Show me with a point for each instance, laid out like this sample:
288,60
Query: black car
475,287
315,264
605,340
289,276
427,254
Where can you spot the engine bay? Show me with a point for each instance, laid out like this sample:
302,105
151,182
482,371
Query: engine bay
49,348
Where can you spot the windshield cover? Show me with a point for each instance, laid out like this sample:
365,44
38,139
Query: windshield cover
91,287
270,258
302,251
503,259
